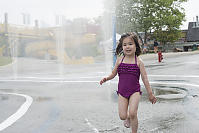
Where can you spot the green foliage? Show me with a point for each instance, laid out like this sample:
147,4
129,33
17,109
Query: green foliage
2,40
162,17
5,60
126,12
4,44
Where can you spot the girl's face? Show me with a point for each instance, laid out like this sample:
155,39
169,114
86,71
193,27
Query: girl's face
129,47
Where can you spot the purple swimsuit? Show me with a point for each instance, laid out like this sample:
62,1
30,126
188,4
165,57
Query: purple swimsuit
129,75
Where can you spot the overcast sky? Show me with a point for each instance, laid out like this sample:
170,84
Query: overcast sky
45,10
191,10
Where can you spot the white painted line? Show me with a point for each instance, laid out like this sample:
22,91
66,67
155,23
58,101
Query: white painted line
183,76
91,126
49,81
91,77
194,85
36,77
58,78
90,81
19,113
65,79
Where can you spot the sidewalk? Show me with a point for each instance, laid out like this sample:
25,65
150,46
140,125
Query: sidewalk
154,56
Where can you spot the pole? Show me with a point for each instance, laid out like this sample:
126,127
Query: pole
6,23
114,39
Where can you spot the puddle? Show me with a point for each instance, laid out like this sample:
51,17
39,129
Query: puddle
161,92
194,95
7,90
164,92
171,80
169,92
3,98
42,99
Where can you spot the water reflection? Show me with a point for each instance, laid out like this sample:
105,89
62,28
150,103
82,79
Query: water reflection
166,115
3,98
162,93
43,99
169,92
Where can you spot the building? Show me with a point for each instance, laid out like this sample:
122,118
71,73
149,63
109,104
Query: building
193,31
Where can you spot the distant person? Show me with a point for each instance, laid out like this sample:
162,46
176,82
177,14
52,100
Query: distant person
155,46
129,67
145,48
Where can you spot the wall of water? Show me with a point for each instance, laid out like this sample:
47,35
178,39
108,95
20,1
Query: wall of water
42,48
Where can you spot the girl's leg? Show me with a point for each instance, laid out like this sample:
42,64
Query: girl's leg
122,107
127,121
133,107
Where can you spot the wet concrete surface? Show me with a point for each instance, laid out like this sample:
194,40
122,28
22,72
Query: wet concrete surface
9,104
76,103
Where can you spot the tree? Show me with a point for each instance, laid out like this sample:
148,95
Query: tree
162,17
167,20
126,15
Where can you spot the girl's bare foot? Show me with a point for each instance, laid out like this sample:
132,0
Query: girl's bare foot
127,123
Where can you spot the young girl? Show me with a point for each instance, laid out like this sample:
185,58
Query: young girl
129,67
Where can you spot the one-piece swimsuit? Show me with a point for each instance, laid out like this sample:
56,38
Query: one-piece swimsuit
129,75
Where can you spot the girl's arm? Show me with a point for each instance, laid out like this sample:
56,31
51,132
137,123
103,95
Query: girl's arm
114,72
145,80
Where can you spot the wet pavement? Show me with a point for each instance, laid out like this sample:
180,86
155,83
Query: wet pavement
75,102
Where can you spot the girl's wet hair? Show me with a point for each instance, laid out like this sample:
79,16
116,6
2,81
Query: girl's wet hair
134,37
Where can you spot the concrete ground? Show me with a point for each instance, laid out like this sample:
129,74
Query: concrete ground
69,99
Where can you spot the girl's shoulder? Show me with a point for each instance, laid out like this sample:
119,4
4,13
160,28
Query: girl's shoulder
139,61
119,59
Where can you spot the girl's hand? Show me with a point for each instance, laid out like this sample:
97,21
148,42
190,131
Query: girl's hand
103,80
152,99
